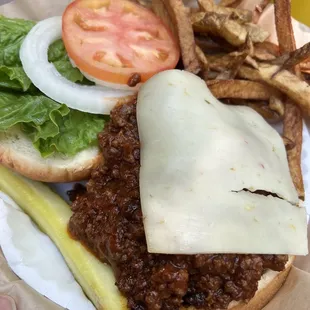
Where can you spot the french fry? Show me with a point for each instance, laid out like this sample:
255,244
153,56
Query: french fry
252,62
292,124
261,107
224,62
233,67
207,45
230,3
296,57
210,75
220,62
264,110
180,20
285,81
206,5
292,129
289,144
202,58
284,26
263,55
225,46
305,66
256,33
160,10
268,47
223,26
276,104
239,15
219,25
241,89
248,46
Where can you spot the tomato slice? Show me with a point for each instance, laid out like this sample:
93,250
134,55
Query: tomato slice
111,40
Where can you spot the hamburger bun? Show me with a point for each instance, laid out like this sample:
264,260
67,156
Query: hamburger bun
18,153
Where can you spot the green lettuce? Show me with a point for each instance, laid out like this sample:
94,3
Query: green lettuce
77,131
12,34
52,127
37,110
58,56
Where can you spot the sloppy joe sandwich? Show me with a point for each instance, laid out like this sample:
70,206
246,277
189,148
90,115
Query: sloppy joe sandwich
192,202
186,182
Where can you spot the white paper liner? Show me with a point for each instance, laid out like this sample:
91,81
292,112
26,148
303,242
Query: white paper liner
35,258
55,8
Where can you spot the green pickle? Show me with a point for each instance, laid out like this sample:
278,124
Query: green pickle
51,213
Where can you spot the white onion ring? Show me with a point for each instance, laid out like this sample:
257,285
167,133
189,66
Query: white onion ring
43,74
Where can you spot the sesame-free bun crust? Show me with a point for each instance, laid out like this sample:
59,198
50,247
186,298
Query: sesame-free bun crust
18,153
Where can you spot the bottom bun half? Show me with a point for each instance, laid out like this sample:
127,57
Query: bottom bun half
18,153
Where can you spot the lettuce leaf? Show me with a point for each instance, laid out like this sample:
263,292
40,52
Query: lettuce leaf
14,78
57,54
36,110
12,34
52,127
12,75
77,131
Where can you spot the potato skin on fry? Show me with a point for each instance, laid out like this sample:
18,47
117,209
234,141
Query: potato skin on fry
239,15
284,26
285,81
296,57
269,47
276,104
219,25
292,129
226,26
230,3
264,110
241,89
292,125
177,16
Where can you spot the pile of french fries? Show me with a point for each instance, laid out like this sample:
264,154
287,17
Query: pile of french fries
224,45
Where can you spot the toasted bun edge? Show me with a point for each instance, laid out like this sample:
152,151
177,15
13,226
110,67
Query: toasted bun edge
18,153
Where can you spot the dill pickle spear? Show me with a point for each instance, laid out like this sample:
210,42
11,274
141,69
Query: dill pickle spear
51,213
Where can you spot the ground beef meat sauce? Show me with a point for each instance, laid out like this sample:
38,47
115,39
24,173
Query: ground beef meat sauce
108,220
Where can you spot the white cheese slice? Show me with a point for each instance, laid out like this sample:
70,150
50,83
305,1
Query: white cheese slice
197,157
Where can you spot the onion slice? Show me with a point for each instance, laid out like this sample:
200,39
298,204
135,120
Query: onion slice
44,75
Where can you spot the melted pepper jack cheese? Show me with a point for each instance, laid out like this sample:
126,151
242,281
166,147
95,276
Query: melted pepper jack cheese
205,170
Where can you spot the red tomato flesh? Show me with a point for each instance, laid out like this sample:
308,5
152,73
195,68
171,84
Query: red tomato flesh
111,40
